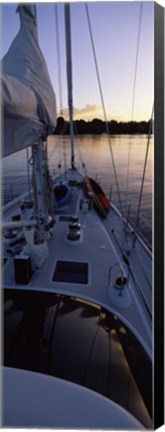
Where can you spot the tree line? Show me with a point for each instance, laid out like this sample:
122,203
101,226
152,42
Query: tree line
97,127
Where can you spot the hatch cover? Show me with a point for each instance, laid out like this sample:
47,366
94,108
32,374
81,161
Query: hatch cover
71,272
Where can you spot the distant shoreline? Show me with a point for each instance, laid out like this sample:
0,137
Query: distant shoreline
98,127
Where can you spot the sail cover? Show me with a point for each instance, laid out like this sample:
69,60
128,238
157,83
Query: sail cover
28,97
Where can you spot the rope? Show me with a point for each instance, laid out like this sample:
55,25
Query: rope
69,78
103,105
133,100
58,58
28,172
79,150
60,85
144,170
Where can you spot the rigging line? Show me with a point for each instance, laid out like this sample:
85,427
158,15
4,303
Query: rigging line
103,105
69,78
62,134
28,171
59,73
64,154
79,149
58,58
144,170
133,99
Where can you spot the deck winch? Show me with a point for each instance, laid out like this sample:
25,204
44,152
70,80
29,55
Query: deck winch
74,230
10,233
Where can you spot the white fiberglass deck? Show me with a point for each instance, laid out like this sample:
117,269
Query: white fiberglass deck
101,248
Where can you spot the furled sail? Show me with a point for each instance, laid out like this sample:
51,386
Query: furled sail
28,98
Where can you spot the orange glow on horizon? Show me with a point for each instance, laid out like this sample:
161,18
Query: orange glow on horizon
91,112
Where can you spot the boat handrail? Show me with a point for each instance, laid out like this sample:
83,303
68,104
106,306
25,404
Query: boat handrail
142,239
141,216
144,301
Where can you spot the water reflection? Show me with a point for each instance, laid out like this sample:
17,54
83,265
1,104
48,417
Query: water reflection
94,152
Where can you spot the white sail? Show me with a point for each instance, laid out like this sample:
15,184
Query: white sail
28,97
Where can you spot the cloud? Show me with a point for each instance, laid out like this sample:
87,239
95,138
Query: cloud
86,110
86,113
89,112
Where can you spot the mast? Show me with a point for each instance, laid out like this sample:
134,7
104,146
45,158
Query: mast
69,78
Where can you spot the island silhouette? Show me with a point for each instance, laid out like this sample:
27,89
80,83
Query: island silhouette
98,127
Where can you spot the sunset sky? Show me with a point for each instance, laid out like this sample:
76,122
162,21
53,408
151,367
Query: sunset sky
115,30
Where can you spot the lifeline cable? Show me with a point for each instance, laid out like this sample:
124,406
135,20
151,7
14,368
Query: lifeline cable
133,99
144,170
103,105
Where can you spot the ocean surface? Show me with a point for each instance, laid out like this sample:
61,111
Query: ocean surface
93,156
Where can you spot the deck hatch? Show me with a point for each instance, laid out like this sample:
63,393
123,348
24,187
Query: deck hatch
71,272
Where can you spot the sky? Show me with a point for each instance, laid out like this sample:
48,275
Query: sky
115,27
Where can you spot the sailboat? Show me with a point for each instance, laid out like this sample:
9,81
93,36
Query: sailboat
77,281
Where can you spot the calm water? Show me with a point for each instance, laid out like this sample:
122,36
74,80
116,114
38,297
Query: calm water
94,152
